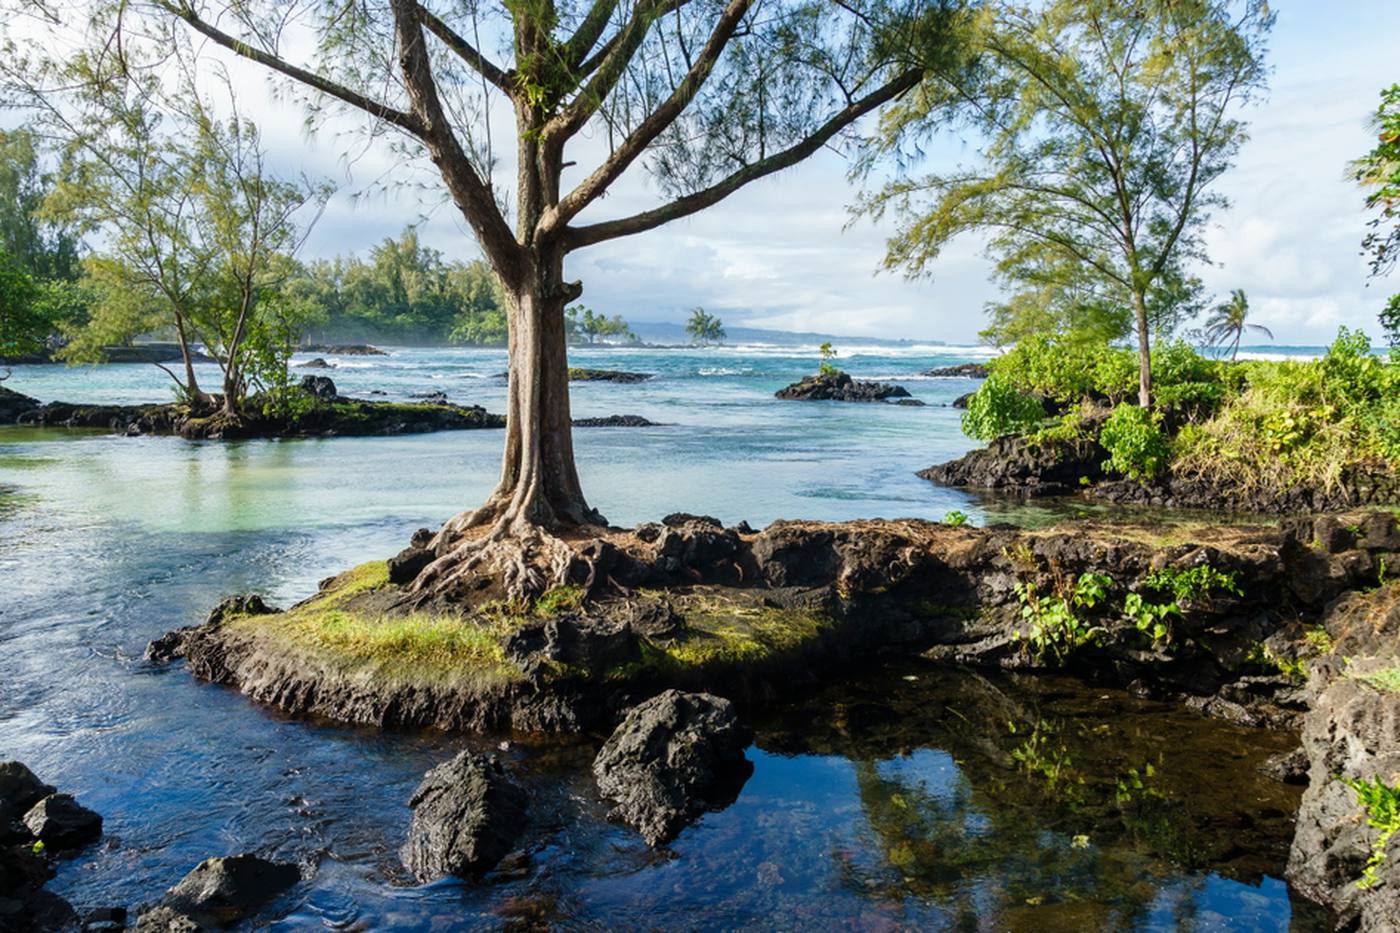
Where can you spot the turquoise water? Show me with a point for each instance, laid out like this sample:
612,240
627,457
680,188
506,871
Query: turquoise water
872,806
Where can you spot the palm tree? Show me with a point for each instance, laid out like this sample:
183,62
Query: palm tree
1228,322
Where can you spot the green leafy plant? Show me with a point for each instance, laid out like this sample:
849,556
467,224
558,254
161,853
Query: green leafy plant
1000,408
1381,805
1055,628
1183,585
1136,444
828,353
955,518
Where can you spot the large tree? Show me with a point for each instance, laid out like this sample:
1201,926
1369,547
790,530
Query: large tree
1106,124
1379,173
710,95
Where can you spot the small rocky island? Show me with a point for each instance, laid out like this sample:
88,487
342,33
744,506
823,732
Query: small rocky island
840,387
324,413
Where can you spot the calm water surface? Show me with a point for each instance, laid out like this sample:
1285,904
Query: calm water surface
904,798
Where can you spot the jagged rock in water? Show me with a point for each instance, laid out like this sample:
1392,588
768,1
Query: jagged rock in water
467,814
961,370
343,349
435,397
20,790
840,387
220,891
13,404
323,387
317,363
605,375
615,421
60,822
671,759
1010,464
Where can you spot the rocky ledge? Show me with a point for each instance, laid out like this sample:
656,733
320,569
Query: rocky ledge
605,375
615,421
327,414
36,824
1285,626
840,387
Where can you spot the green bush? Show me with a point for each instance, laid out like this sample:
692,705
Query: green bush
999,408
1137,447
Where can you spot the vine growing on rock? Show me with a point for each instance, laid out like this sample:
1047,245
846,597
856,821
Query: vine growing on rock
1380,803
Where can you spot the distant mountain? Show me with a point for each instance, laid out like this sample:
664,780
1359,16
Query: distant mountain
669,332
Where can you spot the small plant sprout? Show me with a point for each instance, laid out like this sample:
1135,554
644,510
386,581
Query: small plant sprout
828,353
955,518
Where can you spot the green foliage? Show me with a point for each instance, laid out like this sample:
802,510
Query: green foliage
828,353
1378,172
1380,803
998,409
1387,679
1390,320
1137,446
21,329
704,328
1056,629
44,247
1184,585
1229,321
1106,127
955,518
584,326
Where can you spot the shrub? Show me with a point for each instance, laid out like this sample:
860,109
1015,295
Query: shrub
1137,447
999,408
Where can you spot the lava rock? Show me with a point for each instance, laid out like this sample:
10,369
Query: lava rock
435,397
961,401
317,363
323,387
615,421
405,566
221,891
13,404
467,814
249,604
165,920
840,387
605,375
20,790
962,370
592,644
671,759
60,822
1012,464
344,349
1290,767
105,920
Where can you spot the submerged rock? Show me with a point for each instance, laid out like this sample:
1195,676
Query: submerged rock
671,759
220,891
840,387
467,814
435,397
60,822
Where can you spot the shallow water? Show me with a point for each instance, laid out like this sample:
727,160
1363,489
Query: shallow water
884,803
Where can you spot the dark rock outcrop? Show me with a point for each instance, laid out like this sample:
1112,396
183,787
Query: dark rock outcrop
13,404
219,892
961,370
20,790
840,387
435,397
60,822
671,759
592,645
615,421
343,349
323,387
317,363
1012,465
605,375
405,566
467,814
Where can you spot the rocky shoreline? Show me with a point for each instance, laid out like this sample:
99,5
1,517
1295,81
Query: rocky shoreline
840,387
328,415
1300,614
1031,468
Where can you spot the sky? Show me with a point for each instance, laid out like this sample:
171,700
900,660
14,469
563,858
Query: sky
783,252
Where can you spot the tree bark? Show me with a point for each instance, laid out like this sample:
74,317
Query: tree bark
1144,352
192,393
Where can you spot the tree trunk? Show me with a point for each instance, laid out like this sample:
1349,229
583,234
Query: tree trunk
1144,352
192,393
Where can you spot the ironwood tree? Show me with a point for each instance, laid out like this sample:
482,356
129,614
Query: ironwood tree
704,96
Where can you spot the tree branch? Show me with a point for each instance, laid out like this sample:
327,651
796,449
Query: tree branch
577,237
399,118
470,193
465,50
588,33
651,127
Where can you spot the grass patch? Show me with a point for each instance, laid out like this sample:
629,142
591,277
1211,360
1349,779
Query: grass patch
1387,679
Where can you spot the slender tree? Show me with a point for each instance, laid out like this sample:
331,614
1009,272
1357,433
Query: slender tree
1106,124
1379,173
1229,321
704,328
709,95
